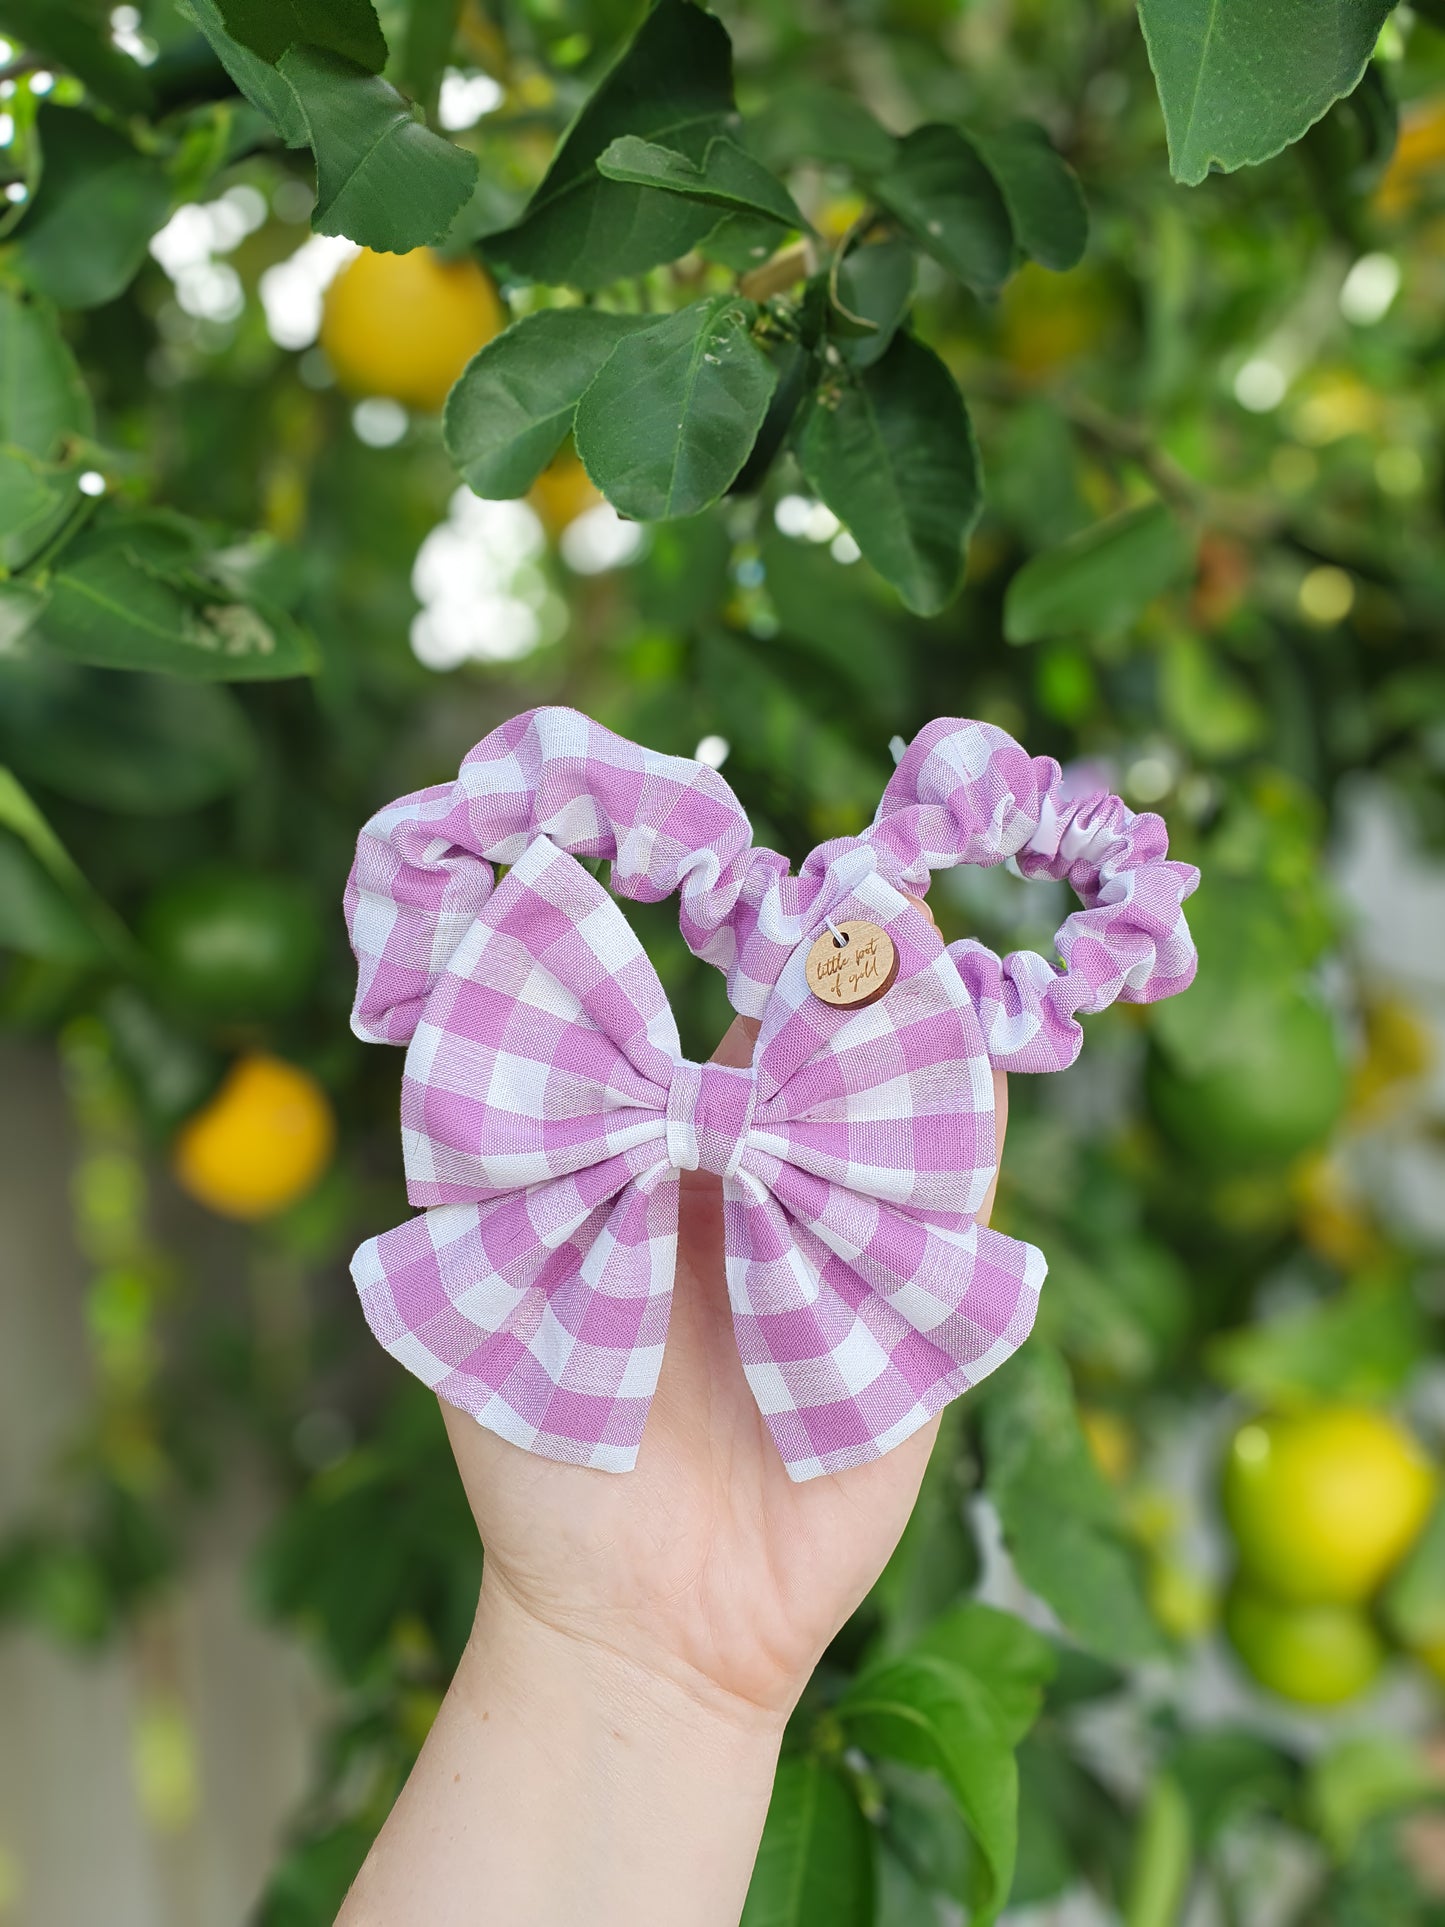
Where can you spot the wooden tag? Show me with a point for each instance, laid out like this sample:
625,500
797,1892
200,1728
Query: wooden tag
854,972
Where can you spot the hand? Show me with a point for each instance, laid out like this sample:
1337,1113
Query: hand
606,1751
706,1563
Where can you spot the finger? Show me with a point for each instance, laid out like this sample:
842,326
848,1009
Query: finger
736,1048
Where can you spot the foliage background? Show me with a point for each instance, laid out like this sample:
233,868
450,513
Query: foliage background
1258,354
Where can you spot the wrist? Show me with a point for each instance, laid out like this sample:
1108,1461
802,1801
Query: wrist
519,1655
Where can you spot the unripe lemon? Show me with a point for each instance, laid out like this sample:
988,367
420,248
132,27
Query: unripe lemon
1317,1655
405,325
260,1144
1323,1503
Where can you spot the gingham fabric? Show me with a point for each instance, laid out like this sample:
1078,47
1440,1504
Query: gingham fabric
547,1110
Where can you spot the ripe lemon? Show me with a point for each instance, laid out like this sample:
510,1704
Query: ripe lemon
1323,1503
1317,1655
405,325
563,491
260,1144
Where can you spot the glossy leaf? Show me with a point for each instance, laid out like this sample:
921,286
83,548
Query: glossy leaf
926,1713
670,419
29,495
37,918
673,82
67,33
1040,190
139,745
872,286
426,47
382,176
940,189
742,241
936,1560
257,79
1100,580
128,595
815,1860
1240,79
511,409
890,449
1060,1520
349,28
727,177
814,123
43,403
85,235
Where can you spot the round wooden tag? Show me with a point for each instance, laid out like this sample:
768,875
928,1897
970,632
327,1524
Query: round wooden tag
854,968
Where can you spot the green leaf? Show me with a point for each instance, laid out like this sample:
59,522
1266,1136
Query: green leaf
1240,79
136,745
727,177
1211,708
669,421
1008,1656
926,1713
85,235
672,83
1163,1858
742,241
1362,1344
47,909
1360,1777
256,78
890,449
871,285
815,1861
1100,580
67,33
1060,1520
37,918
43,403
1414,1600
349,28
133,593
940,189
513,404
21,606
29,495
382,176
431,27
1040,190
936,1560
820,124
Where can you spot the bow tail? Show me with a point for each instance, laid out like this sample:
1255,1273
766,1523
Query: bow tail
542,1313
857,1321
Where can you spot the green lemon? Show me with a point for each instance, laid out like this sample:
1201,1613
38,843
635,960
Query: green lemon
1316,1655
231,944
1268,1090
1323,1503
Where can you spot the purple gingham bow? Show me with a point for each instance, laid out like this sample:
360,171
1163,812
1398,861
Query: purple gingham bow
548,1112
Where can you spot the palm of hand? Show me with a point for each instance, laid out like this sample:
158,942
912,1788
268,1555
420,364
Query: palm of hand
706,1560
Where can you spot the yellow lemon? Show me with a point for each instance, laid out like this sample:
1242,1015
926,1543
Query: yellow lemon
1317,1655
260,1144
563,491
405,325
1323,1503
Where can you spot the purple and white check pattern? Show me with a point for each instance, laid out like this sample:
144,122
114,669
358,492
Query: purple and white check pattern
547,1110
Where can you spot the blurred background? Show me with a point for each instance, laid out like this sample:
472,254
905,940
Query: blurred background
235,1566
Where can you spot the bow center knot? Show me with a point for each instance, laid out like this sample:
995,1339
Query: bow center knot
709,1114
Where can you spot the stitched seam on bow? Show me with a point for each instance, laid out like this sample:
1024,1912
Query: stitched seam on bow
683,1153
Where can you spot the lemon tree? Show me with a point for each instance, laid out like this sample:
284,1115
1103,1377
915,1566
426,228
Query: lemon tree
765,386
